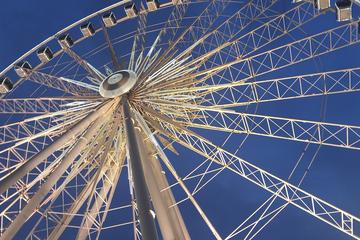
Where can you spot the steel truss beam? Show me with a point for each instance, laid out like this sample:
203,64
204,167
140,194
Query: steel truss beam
272,60
27,129
223,35
290,54
240,93
19,172
40,105
200,79
12,155
61,84
226,53
81,171
51,180
271,30
330,134
42,125
299,198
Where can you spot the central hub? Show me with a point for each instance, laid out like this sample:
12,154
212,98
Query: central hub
118,84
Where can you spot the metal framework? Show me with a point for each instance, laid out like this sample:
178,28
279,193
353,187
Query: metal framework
76,162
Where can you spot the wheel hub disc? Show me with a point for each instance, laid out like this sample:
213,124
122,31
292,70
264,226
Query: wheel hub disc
118,84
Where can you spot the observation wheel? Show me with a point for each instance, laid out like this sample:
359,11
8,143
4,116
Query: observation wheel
186,119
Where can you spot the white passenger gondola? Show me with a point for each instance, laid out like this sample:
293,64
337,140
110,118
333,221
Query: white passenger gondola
343,10
5,85
131,10
152,4
322,4
65,41
45,54
177,2
109,19
22,69
87,29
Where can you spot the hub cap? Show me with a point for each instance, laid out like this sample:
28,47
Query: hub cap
118,84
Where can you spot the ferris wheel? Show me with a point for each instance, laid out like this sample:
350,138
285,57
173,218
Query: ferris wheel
135,118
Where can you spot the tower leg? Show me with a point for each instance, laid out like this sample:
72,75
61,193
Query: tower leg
167,212
147,223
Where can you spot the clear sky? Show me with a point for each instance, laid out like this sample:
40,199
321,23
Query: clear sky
229,199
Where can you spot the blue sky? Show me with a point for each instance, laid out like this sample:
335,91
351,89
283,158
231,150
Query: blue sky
334,176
